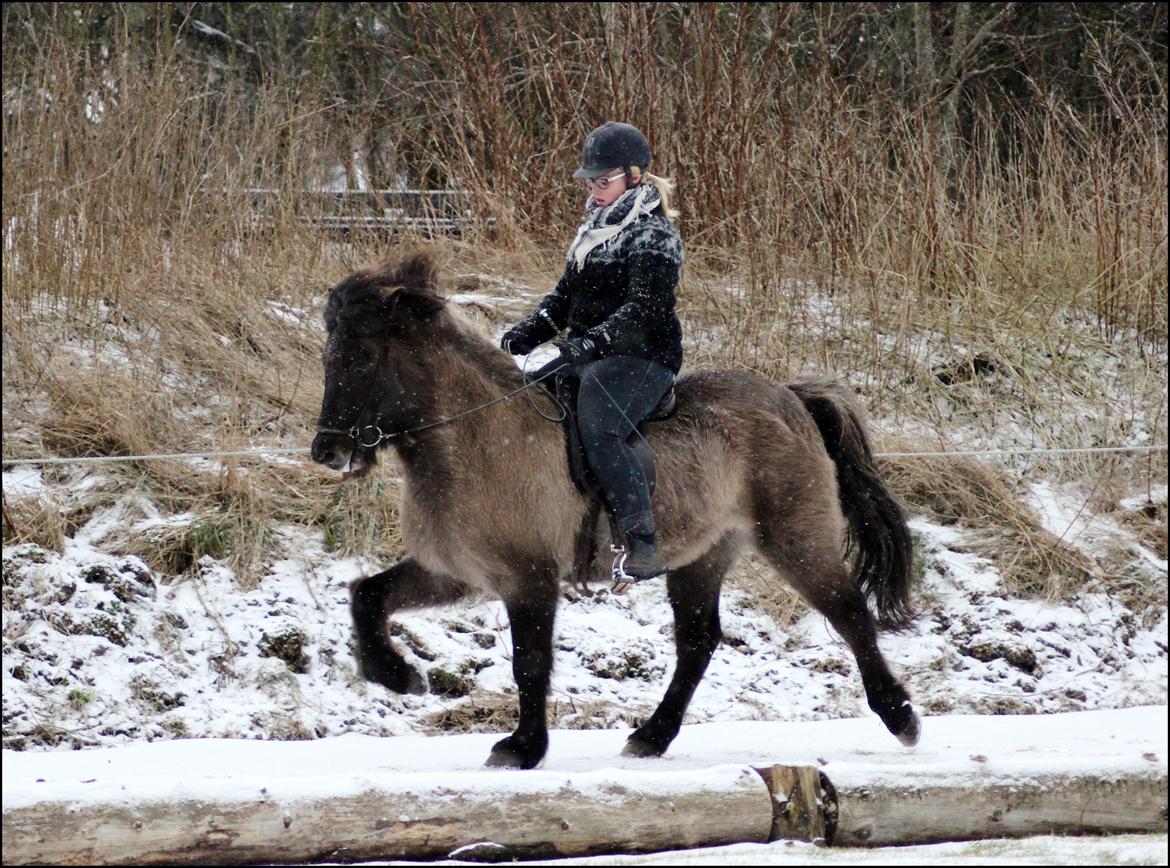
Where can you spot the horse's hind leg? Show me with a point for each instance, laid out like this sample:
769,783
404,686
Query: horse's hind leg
694,596
817,572
406,585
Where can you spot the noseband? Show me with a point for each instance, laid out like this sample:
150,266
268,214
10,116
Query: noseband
355,434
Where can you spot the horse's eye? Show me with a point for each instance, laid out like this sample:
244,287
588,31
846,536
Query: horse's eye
361,368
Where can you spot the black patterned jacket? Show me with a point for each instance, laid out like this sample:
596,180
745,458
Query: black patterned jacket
623,297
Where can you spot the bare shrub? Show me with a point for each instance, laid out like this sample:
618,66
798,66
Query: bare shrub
1032,561
843,207
34,519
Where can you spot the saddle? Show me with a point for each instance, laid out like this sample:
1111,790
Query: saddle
565,388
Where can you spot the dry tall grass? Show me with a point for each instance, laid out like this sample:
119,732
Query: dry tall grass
147,310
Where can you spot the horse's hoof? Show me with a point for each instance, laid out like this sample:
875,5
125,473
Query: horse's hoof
414,682
399,679
642,747
911,731
507,754
503,759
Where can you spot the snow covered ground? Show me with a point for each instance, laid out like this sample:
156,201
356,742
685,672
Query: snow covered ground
1040,850
98,650
966,748
960,749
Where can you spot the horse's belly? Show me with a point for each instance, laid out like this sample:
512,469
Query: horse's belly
699,494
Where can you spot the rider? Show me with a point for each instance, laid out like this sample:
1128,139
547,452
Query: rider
617,300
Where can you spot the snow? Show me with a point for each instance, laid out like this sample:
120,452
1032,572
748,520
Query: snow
174,678
193,681
212,33
960,750
297,316
193,664
1040,850
22,481
148,656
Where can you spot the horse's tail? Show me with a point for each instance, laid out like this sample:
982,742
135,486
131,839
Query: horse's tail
878,540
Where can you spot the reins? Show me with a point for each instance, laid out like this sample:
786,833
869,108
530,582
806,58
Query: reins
355,432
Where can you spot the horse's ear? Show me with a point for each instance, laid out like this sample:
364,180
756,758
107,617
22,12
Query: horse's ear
415,271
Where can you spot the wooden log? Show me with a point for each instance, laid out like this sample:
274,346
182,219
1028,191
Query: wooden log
929,809
923,808
804,806
492,816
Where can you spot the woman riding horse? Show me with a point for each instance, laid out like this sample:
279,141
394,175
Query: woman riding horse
616,297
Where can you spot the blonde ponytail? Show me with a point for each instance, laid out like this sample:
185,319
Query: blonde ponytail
665,189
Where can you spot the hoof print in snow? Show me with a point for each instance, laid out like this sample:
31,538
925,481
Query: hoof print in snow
445,683
1019,656
287,645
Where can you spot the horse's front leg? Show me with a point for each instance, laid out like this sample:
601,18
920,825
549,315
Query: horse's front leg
531,620
406,585
694,595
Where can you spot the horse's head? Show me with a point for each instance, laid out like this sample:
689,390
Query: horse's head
367,316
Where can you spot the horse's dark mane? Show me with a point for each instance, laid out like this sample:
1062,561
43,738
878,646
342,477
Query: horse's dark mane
366,298
397,297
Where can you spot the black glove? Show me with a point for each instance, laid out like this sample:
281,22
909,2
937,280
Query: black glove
518,340
576,351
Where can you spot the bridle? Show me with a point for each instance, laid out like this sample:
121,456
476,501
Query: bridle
356,431
355,434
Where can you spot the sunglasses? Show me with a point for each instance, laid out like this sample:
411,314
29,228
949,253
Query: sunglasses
601,183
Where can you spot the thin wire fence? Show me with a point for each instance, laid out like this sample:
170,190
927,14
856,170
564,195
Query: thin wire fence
261,453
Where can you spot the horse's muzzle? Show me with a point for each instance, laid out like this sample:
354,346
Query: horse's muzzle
332,450
339,452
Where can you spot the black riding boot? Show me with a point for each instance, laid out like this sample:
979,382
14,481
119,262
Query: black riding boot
643,561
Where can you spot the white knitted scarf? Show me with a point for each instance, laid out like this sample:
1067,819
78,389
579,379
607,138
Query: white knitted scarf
597,230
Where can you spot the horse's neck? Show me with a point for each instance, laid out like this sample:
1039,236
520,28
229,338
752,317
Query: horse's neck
468,372
461,373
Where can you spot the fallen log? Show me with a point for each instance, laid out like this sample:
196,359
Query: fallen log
543,814
907,810
416,816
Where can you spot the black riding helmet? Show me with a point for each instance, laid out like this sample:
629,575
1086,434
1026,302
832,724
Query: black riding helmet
614,145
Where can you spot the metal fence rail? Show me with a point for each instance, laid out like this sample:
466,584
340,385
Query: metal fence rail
429,212
261,452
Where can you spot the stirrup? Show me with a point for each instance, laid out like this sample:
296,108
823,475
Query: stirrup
623,581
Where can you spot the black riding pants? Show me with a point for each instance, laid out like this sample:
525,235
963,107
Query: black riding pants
616,393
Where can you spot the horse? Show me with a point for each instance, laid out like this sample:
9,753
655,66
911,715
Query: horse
488,503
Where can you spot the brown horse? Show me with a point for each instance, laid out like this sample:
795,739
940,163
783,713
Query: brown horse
488,503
